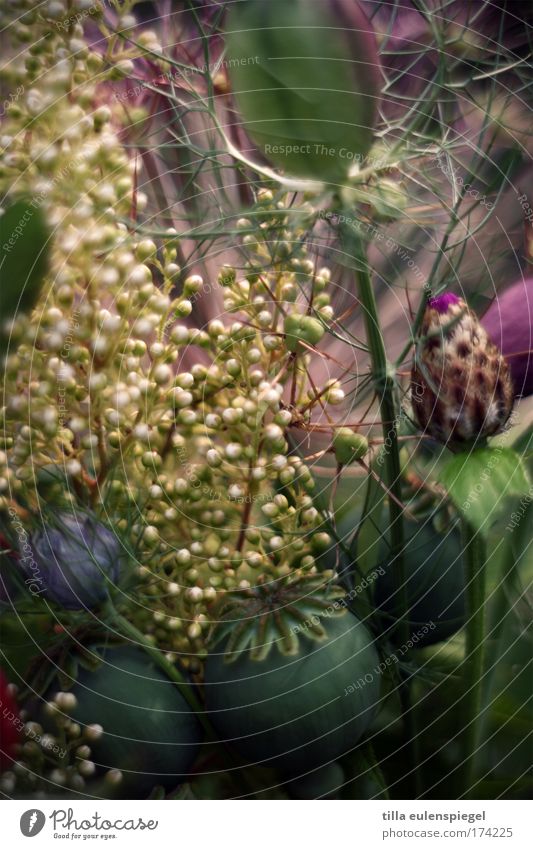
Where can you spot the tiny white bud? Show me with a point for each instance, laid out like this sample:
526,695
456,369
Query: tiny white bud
273,432
213,457
86,768
212,420
233,450
182,398
179,334
94,732
162,374
66,701
335,396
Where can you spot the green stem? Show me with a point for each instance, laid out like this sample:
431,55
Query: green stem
475,559
127,629
383,379
417,323
368,757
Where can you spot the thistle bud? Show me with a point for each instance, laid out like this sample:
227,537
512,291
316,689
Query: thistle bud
461,388
306,80
75,560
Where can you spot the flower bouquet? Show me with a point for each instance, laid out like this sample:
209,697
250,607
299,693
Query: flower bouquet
265,425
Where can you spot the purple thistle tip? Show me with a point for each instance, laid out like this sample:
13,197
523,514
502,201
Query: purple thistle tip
443,302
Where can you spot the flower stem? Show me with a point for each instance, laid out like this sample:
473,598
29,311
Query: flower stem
128,630
370,761
383,379
475,559
384,386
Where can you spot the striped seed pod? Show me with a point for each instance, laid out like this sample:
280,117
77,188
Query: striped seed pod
461,388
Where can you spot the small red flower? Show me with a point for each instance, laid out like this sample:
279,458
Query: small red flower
10,723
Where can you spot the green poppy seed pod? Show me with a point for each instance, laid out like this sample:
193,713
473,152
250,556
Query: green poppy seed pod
349,446
302,328
149,732
306,79
461,388
276,683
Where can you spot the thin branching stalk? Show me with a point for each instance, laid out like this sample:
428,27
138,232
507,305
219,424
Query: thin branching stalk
475,559
384,385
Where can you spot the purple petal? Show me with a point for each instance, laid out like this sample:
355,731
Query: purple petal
508,321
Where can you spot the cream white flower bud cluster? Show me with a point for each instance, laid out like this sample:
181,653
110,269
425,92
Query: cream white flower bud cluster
230,504
58,758
180,434
68,374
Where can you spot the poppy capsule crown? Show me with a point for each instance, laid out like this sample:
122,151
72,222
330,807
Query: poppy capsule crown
461,388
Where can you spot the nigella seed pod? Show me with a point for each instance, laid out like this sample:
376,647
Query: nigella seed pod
73,562
461,388
306,78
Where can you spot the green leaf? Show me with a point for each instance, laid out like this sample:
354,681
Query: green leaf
158,794
184,791
365,779
523,443
25,636
24,238
481,483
